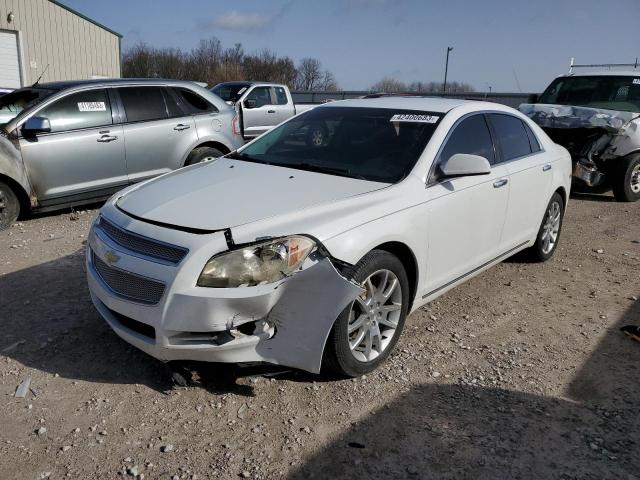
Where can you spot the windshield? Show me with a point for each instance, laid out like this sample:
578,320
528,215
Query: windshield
13,103
620,93
376,144
230,93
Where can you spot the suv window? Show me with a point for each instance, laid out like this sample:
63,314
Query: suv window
143,103
511,135
262,96
281,96
194,103
470,136
86,109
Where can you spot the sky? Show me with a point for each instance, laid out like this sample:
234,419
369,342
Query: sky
508,45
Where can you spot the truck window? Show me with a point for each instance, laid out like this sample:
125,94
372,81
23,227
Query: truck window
610,92
281,96
262,96
79,110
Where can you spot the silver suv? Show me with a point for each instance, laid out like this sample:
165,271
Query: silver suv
69,143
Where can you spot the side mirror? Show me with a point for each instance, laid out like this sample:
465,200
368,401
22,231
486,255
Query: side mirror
465,164
250,103
532,98
35,125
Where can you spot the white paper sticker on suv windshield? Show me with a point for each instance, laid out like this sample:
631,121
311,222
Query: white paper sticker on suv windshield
636,81
92,107
410,117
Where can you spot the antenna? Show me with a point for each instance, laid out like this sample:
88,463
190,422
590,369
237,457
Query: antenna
41,75
571,65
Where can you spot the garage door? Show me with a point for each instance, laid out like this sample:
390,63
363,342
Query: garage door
9,63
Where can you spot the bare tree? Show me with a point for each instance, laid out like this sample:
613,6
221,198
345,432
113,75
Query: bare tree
389,85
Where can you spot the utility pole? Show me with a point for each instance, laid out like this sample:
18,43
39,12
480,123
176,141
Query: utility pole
446,68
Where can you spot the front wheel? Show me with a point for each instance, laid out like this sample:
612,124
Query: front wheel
549,232
626,180
366,331
9,206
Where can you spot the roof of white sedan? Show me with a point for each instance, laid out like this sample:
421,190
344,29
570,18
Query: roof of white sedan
427,104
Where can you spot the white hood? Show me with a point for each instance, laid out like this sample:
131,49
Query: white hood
226,193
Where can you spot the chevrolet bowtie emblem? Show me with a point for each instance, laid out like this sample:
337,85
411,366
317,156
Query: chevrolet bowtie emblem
111,257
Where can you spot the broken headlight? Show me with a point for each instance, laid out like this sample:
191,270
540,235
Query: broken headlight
256,264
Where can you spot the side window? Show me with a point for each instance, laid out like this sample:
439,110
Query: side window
470,136
511,135
194,103
281,96
143,103
79,110
533,141
173,108
262,96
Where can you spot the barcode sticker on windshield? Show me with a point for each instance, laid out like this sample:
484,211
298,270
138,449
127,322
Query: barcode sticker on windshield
409,117
92,107
636,81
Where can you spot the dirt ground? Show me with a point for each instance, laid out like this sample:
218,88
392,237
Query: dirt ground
521,373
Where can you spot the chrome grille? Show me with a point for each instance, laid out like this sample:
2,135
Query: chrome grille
142,245
128,285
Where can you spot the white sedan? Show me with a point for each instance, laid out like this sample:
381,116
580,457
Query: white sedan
312,253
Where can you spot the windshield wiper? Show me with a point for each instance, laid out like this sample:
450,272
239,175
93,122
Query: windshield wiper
343,172
245,157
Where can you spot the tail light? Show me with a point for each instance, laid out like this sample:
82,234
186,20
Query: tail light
235,125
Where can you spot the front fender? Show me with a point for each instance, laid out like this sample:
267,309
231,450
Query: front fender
12,166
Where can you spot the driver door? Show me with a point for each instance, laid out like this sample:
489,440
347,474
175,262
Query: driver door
261,117
465,214
83,155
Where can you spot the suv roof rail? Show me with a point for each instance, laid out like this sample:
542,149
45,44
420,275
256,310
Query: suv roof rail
608,66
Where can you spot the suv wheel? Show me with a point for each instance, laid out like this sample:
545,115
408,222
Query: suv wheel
202,154
366,331
626,179
549,232
9,206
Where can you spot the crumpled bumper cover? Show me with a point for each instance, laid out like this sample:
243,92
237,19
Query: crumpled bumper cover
293,317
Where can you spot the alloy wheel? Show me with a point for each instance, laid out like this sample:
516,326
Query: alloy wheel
374,315
551,228
635,179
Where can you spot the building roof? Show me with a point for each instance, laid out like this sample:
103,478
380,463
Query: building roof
75,12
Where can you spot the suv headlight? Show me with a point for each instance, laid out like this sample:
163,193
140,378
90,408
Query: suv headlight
256,264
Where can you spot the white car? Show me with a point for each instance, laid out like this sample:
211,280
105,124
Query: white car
306,254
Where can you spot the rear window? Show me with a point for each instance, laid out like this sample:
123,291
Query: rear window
281,96
377,144
511,135
194,103
143,103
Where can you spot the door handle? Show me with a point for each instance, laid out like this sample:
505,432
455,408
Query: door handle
500,183
271,111
181,127
546,168
107,138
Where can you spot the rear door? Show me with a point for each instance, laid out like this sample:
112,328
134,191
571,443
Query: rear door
530,175
83,156
158,134
465,214
283,106
261,117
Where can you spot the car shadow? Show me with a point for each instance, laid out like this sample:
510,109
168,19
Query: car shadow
459,431
593,197
50,324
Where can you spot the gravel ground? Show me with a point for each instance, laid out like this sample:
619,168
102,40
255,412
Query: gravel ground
519,373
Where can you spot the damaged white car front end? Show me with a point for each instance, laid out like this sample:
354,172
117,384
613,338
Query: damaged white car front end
282,319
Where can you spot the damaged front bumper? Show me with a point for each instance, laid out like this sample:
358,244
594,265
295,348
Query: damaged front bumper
157,307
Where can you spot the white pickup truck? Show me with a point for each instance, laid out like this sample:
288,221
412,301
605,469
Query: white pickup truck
261,106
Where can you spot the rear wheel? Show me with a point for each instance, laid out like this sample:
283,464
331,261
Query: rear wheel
626,179
9,206
549,232
203,154
366,331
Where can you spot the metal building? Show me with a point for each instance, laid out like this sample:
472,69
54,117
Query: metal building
37,33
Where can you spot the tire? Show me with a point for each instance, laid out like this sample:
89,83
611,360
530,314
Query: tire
200,154
339,357
540,251
317,135
626,179
9,206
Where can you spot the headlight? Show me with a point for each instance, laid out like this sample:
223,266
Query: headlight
262,263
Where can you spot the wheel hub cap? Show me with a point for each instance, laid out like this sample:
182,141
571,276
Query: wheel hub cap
551,228
635,179
374,316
